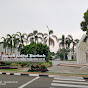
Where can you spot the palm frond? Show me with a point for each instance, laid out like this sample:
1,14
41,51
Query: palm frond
76,40
45,34
19,33
41,34
45,41
50,32
31,39
30,35
45,38
55,37
35,32
3,38
40,38
51,41
1,42
59,39
70,37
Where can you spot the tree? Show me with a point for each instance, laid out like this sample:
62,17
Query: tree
62,44
5,43
84,25
74,42
60,53
22,39
15,42
34,37
10,41
40,49
44,37
50,40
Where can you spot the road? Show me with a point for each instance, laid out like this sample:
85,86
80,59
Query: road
23,81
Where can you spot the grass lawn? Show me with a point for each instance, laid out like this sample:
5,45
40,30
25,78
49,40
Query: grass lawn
10,69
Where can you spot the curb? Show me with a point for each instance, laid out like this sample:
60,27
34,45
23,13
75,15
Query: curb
33,75
85,77
27,74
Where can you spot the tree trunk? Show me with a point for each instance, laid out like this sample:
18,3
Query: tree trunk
49,49
5,51
73,51
11,50
35,49
64,54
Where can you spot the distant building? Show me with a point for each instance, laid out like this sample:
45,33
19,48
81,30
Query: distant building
8,50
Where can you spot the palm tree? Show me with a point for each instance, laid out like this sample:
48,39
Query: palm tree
22,39
50,40
62,43
10,41
34,37
68,42
44,37
74,42
15,42
5,43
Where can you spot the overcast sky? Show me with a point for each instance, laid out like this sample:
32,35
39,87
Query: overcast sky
62,16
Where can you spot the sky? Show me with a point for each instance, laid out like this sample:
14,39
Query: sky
61,16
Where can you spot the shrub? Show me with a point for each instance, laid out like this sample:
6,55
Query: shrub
8,63
37,68
28,65
46,64
13,64
2,63
32,67
50,63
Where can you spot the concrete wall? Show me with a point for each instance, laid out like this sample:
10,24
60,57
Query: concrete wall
81,51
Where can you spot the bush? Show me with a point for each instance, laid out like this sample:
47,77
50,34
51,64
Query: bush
8,63
2,63
46,64
37,68
44,68
32,67
28,65
13,64
47,59
50,63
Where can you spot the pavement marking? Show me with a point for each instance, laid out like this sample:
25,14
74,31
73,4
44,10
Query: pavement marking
69,85
52,75
7,73
28,82
69,79
33,74
70,82
17,74
0,72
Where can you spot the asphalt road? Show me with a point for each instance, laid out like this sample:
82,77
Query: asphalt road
23,81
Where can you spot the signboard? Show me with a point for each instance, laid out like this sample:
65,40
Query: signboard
27,57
